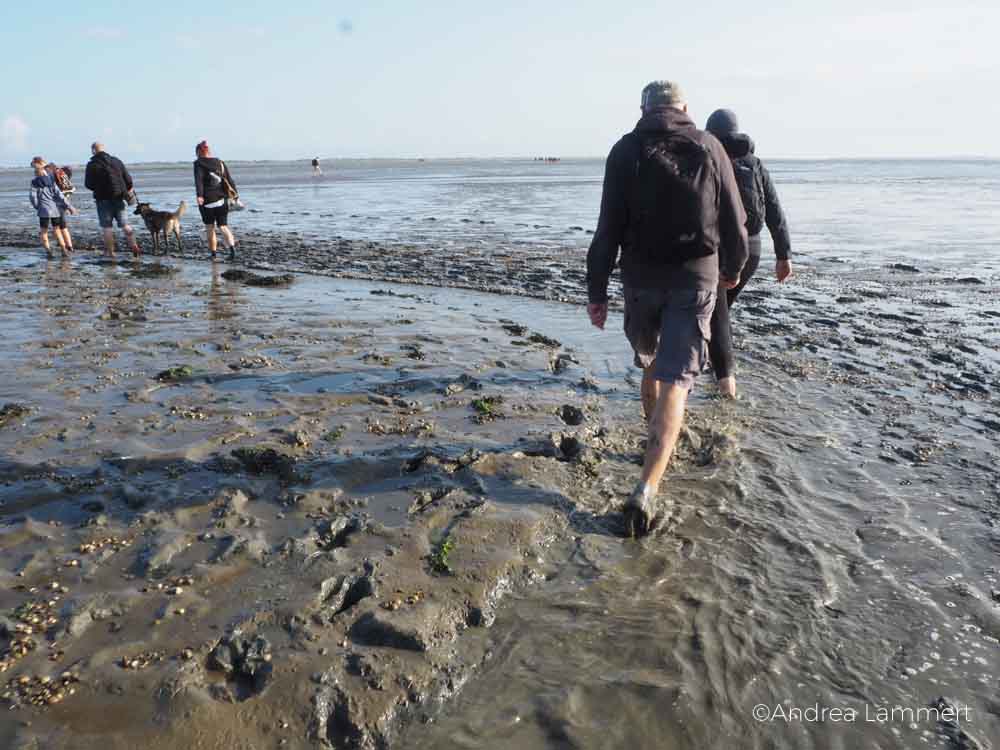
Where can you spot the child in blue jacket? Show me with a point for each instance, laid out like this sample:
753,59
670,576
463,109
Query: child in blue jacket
52,207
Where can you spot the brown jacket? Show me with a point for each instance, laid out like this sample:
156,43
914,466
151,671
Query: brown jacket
725,242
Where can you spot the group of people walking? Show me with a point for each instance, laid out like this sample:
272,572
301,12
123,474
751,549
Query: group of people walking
114,191
681,213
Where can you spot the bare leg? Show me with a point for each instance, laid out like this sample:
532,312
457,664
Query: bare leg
210,236
227,234
727,386
664,427
60,239
68,238
43,235
109,241
650,391
130,237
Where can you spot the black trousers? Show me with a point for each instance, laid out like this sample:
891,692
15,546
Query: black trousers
720,348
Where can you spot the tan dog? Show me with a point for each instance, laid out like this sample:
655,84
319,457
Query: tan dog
162,221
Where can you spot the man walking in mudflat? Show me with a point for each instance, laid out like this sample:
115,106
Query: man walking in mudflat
672,207
111,184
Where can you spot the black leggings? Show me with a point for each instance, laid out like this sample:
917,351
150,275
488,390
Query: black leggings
720,348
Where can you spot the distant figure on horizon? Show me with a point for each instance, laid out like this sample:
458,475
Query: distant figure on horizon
111,184
760,200
214,185
316,169
51,205
671,204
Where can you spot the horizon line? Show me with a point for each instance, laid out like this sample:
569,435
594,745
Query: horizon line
334,159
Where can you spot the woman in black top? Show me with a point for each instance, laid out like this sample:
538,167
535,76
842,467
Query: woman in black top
214,185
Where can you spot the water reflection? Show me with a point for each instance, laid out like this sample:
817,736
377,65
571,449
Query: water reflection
223,299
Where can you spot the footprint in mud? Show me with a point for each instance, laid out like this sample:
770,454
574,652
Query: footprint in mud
246,665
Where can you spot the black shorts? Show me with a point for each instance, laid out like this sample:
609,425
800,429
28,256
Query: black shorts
58,222
218,215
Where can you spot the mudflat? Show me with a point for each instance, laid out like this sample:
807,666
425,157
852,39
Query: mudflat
319,512
237,516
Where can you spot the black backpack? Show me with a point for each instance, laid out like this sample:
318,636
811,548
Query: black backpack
675,198
110,176
751,187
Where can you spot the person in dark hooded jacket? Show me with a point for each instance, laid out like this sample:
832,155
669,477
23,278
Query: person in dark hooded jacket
111,184
760,200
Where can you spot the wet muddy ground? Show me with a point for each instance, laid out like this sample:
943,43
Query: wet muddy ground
367,515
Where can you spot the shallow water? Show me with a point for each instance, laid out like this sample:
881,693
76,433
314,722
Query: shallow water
834,545
861,211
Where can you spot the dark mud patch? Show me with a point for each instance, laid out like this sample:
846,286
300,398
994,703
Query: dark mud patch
253,279
11,413
175,374
273,460
152,270
245,663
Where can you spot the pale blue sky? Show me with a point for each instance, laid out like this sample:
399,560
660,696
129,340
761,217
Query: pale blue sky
274,80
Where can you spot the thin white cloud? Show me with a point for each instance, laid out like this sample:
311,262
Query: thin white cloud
105,33
14,133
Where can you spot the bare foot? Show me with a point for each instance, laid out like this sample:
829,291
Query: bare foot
640,512
727,387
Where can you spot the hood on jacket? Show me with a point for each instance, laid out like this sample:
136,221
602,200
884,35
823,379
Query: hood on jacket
738,145
722,123
663,119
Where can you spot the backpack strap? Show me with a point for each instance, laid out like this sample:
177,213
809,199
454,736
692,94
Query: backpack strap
227,186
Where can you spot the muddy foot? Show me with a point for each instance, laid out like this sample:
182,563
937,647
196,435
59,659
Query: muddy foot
642,513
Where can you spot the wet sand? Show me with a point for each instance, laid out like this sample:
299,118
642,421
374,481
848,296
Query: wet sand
298,497
334,511
541,274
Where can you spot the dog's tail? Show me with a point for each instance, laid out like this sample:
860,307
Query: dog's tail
181,209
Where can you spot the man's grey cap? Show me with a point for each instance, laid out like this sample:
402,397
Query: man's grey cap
662,94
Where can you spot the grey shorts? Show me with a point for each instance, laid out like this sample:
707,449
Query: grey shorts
670,330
